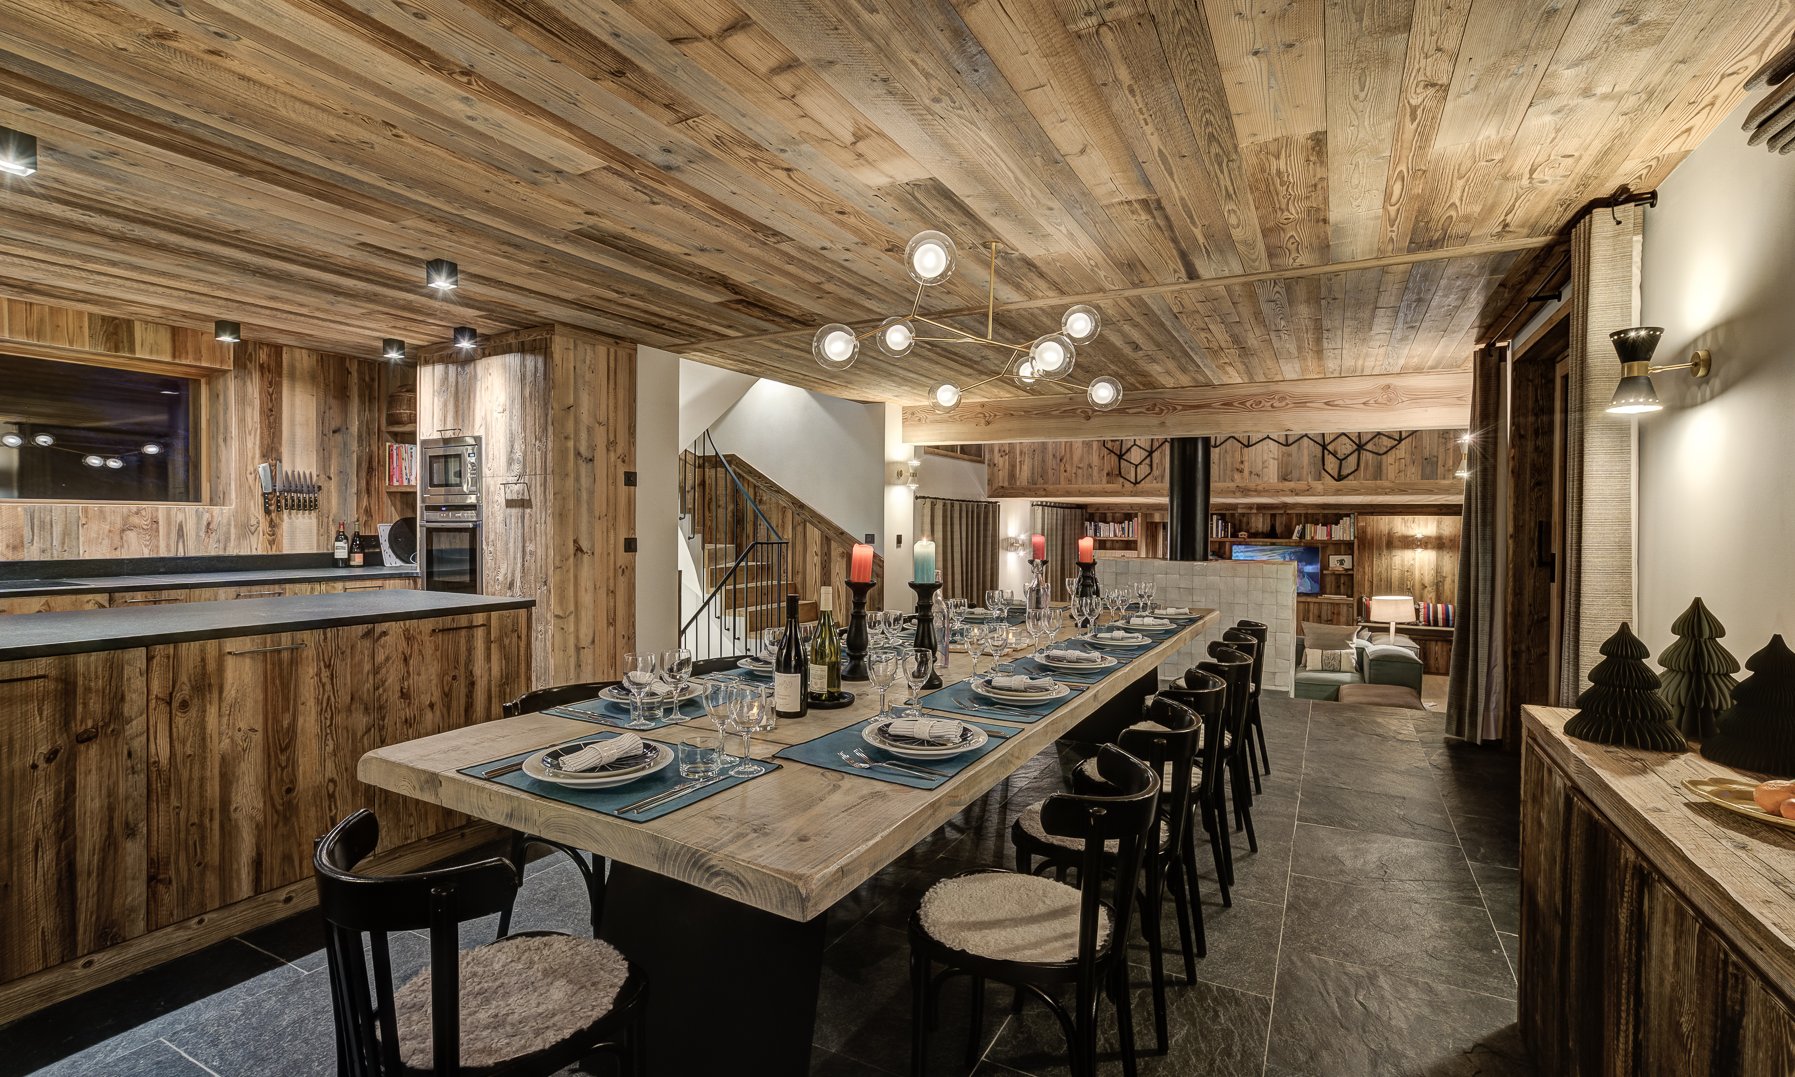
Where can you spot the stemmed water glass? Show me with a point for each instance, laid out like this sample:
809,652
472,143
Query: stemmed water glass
974,636
748,712
1147,590
640,669
916,664
882,666
1071,588
719,696
993,601
1040,627
676,669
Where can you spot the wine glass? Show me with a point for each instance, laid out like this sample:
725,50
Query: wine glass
1071,588
993,598
1148,589
974,636
640,670
719,696
747,716
1039,627
882,666
916,664
676,669
769,642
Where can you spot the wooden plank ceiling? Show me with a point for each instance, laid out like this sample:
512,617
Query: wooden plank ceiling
685,172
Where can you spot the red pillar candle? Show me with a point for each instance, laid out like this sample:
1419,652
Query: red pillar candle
1040,546
860,566
1087,551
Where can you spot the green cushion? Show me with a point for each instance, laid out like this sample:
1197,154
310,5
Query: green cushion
1314,684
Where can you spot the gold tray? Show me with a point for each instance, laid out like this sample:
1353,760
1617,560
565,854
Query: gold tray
1735,795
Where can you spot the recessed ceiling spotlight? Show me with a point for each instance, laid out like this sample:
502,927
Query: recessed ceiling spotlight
42,441
18,152
392,348
114,463
229,332
465,336
11,441
150,448
442,274
93,461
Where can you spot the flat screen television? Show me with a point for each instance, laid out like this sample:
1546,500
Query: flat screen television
1307,558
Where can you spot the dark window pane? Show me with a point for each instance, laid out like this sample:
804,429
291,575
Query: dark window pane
72,432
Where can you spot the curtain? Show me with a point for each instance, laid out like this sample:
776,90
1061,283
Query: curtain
1474,696
1064,526
965,534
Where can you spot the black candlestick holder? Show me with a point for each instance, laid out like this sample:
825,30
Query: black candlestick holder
1088,587
925,628
853,666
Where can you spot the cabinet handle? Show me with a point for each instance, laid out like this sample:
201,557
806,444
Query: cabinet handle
26,677
364,587
258,594
270,650
458,628
151,601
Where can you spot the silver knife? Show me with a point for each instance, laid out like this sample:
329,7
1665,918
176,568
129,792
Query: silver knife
672,794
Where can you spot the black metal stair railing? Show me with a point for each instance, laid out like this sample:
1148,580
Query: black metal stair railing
741,557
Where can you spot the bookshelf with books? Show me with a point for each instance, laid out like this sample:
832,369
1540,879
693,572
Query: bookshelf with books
1126,532
1334,534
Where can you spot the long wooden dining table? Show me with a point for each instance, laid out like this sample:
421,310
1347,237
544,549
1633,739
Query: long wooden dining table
724,902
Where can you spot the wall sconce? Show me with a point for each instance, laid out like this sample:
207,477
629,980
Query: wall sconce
228,332
904,472
18,152
1635,394
1016,544
1463,471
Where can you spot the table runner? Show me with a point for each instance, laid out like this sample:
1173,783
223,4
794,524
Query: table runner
610,801
823,752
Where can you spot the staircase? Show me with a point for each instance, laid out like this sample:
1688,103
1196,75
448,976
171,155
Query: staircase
741,558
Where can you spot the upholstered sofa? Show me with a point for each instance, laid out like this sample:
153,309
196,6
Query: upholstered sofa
1378,660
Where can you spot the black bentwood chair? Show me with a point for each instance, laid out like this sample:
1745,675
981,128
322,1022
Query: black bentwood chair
592,870
531,1004
1260,632
1206,695
1036,934
1167,741
1237,670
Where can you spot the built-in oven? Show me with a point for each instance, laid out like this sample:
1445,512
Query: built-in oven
449,471
449,548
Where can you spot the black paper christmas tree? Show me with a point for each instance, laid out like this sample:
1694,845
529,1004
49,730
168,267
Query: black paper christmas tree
1758,731
1698,672
1622,705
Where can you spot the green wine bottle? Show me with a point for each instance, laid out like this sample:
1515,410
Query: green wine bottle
825,655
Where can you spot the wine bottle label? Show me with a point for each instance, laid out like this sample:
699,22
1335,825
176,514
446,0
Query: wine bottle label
819,679
788,692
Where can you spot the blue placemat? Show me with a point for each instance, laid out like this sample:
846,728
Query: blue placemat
959,700
611,801
824,751
608,712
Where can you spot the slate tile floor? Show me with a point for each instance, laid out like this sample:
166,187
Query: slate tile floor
1371,934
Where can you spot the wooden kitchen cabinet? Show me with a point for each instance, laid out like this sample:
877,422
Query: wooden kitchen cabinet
73,749
51,603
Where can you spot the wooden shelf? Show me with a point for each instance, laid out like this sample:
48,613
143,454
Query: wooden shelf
412,429
401,489
1285,542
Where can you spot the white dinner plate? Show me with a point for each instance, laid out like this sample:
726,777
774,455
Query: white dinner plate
1134,624
755,665
662,755
1028,699
617,693
1105,661
1099,641
973,737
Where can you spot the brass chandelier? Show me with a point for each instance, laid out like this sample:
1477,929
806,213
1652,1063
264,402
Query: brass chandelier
930,260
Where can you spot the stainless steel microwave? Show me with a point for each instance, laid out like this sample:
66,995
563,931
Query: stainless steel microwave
449,471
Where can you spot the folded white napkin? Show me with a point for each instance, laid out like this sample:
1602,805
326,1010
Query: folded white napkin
1072,658
1150,622
1119,635
596,755
1021,683
1173,611
932,730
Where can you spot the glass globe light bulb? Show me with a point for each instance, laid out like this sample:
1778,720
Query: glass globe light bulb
929,257
1025,372
835,346
93,461
11,441
1104,393
896,337
43,441
114,463
1080,323
945,397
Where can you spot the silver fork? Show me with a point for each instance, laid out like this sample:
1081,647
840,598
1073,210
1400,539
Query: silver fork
867,764
901,765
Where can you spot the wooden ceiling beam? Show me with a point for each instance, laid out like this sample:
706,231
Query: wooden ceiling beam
1425,401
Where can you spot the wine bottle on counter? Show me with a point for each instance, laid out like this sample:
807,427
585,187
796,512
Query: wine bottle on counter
789,667
357,558
340,547
825,654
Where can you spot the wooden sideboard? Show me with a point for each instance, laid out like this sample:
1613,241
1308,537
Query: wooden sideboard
1657,930
154,799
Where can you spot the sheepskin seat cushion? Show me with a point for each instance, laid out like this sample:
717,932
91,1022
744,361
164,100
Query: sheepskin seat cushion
1007,916
1030,821
519,995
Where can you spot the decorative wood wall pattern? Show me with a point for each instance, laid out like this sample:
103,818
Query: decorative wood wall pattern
311,410
737,167
1419,470
556,408
1409,555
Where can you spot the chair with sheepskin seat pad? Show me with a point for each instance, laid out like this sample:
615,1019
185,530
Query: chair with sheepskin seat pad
1037,934
527,1005
1167,741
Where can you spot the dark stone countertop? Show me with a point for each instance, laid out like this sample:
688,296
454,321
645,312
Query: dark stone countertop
173,581
40,635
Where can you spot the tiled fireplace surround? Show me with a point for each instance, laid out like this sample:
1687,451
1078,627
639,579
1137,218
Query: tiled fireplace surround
1262,591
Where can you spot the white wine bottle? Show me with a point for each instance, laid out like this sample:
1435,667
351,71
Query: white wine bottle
825,654
789,669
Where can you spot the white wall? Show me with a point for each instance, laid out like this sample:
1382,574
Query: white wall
945,476
899,513
657,497
705,393
1717,475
